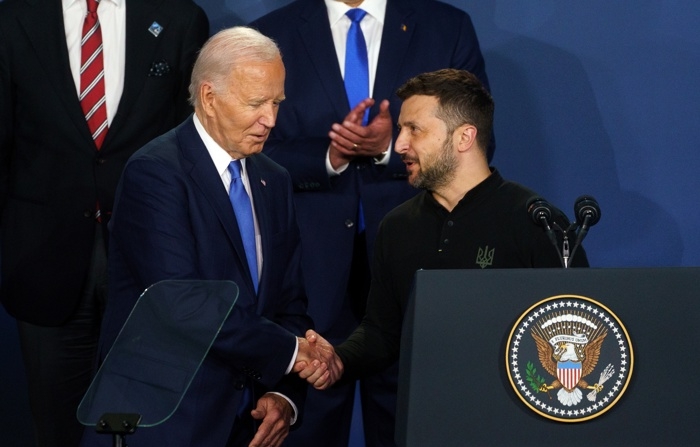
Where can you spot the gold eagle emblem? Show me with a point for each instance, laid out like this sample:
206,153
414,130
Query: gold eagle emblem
568,347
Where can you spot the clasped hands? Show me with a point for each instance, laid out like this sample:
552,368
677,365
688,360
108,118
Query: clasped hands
319,365
351,139
317,361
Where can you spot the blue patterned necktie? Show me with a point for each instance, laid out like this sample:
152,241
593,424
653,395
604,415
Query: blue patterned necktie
244,216
356,64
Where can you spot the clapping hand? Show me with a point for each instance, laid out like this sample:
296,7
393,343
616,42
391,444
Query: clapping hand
351,139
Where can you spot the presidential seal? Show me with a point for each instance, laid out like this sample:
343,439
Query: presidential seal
569,358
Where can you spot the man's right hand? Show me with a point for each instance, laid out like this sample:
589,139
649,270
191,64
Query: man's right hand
317,361
351,139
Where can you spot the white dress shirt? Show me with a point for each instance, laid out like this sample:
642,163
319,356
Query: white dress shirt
372,25
221,160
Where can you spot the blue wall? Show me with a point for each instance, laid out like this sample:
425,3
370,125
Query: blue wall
595,97
599,97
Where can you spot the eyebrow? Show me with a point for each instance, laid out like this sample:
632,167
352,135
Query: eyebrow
407,123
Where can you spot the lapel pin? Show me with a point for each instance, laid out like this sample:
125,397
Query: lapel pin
155,28
264,183
404,27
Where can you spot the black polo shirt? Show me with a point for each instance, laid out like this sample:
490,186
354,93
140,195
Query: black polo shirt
489,228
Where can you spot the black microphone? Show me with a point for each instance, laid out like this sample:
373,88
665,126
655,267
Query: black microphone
587,214
541,213
587,211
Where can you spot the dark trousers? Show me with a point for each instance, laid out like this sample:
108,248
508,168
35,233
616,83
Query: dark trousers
59,361
328,414
379,394
326,419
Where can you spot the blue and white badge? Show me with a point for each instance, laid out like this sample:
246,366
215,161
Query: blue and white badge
155,28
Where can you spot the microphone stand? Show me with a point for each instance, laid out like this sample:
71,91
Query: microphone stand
581,234
540,212
587,211
564,254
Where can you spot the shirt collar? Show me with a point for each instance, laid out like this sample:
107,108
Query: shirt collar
476,194
337,9
219,156
68,3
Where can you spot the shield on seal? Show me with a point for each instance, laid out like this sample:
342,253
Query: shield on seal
569,373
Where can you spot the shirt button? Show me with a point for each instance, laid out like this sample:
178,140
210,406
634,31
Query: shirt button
450,223
446,241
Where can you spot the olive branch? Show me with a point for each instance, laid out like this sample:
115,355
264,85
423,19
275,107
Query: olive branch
535,380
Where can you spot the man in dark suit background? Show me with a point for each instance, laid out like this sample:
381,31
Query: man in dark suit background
53,178
175,219
345,176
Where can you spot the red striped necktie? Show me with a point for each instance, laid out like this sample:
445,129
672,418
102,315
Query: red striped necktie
92,84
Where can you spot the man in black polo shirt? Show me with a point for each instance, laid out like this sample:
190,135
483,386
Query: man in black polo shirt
467,215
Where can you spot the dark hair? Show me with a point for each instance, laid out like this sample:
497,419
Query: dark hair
461,97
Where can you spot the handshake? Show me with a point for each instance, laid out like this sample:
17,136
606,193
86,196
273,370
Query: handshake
317,361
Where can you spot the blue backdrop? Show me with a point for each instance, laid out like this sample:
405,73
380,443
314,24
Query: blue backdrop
594,97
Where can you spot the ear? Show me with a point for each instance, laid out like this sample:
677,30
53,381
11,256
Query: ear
207,98
465,136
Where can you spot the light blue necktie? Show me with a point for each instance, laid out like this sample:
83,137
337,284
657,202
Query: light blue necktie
357,76
244,216
356,65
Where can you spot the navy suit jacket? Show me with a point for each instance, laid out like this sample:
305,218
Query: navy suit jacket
173,220
418,36
51,175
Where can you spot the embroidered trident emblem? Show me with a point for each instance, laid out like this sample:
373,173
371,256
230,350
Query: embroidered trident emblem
485,257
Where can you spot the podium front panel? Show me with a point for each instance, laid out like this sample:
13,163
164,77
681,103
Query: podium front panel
454,389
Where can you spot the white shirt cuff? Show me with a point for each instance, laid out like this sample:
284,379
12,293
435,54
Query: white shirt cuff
294,407
383,158
329,168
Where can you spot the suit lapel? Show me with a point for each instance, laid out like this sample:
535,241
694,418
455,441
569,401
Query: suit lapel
140,48
399,25
316,35
47,36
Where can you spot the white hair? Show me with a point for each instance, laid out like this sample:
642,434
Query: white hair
223,52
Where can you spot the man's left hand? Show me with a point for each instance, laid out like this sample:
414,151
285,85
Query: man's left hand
276,413
353,139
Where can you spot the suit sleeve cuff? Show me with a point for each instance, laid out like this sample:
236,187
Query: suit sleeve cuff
294,357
